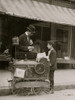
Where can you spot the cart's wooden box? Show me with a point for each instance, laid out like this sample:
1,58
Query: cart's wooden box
36,75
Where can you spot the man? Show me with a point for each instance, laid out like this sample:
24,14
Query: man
25,41
52,60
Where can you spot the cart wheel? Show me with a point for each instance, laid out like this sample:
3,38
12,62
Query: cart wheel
13,87
37,90
23,91
40,69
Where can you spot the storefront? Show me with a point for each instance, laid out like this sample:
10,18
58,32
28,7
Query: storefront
52,23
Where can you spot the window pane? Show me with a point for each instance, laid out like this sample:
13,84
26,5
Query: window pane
61,42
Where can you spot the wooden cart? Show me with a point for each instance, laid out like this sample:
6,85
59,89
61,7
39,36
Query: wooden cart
30,77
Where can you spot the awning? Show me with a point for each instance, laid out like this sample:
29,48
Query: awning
38,11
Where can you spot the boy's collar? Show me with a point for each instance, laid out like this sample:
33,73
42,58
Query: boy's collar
51,49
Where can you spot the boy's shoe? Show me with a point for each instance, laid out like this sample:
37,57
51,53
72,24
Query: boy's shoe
52,91
46,80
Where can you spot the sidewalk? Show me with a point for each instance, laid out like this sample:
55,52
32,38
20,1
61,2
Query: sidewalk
64,79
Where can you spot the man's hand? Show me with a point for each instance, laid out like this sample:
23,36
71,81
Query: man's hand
30,48
31,42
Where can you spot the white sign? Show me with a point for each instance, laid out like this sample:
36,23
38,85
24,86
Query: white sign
19,73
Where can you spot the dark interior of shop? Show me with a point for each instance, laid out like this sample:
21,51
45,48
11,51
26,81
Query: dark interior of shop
14,26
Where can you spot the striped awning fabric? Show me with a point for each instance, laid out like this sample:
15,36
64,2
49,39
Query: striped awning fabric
38,11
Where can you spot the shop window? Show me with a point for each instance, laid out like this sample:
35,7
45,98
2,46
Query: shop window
43,31
38,33
46,34
61,43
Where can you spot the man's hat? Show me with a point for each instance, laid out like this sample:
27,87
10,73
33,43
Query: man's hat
31,28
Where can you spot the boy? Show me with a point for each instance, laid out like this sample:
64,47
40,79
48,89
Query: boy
52,60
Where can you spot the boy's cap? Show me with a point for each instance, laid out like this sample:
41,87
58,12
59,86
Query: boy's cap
51,43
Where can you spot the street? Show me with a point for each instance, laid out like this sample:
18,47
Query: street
68,94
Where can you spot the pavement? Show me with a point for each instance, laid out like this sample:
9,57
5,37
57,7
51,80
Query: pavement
68,94
64,79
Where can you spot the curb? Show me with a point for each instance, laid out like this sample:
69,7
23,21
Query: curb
4,92
63,87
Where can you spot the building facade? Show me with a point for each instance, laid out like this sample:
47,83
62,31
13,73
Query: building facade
45,15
